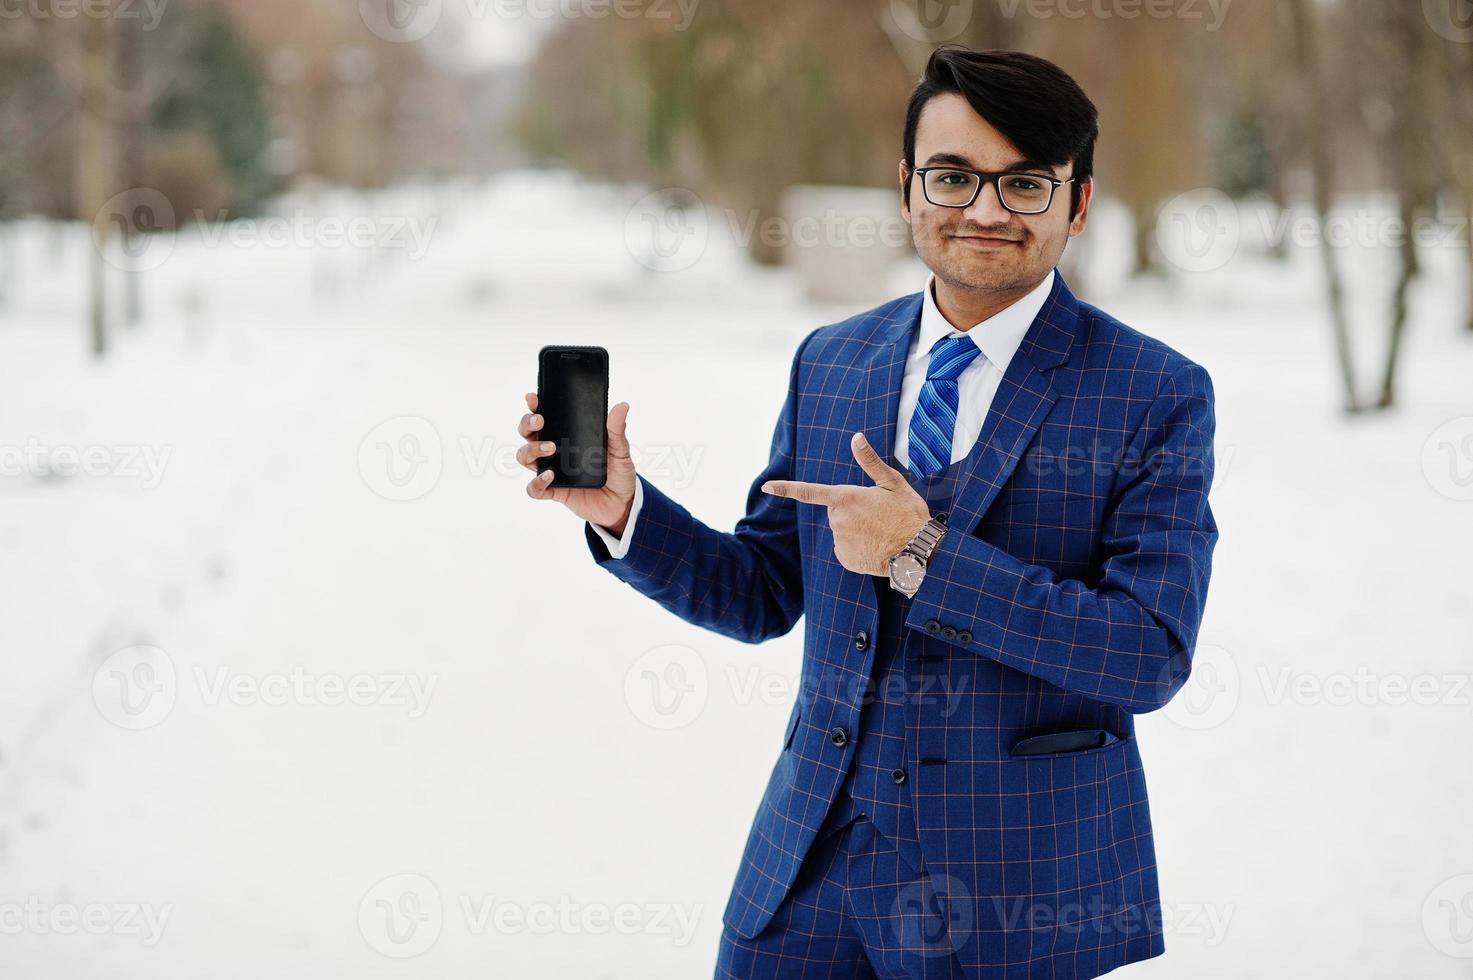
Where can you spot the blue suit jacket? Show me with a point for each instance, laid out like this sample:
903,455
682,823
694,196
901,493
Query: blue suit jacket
1066,596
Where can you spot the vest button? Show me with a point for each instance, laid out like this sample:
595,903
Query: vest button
861,640
838,736
898,775
948,632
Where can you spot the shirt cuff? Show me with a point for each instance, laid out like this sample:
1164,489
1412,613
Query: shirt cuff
618,547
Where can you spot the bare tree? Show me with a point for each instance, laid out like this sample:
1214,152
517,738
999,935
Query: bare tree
1305,39
95,157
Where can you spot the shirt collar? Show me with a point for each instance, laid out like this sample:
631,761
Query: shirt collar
998,337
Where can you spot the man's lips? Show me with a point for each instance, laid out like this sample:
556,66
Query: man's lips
986,240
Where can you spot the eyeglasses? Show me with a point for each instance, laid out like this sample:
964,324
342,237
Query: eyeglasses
1020,193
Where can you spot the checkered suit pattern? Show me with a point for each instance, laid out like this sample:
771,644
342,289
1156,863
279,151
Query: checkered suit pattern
1065,596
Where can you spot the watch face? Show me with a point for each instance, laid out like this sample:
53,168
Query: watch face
905,571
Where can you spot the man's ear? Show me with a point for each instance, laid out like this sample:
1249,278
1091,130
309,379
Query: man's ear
1086,193
904,190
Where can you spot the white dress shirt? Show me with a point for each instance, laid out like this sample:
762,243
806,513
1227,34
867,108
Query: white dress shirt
998,337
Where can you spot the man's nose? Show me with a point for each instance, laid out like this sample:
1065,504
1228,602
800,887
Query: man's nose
987,209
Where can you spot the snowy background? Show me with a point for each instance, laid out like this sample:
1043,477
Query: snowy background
302,488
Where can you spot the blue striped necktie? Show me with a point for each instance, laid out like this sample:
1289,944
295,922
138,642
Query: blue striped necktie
933,423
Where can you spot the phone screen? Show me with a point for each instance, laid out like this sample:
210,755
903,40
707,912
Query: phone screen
572,398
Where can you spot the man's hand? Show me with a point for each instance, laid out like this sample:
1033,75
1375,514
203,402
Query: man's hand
871,525
608,505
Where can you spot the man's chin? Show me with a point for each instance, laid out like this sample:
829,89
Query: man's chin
990,280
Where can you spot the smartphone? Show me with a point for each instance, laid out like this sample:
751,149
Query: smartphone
573,400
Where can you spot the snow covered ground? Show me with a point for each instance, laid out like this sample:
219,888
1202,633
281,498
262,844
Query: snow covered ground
296,682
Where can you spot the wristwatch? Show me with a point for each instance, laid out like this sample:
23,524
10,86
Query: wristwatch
909,567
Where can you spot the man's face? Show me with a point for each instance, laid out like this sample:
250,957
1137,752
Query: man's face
984,246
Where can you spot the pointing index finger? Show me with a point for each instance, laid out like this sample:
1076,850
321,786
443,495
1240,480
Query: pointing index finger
809,493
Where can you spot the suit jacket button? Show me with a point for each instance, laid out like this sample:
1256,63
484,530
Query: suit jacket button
861,640
933,626
948,632
964,636
838,736
898,775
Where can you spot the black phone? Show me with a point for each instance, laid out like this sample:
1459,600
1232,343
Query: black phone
573,400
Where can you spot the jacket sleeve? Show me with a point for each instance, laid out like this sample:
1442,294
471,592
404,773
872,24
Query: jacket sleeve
1129,639
747,584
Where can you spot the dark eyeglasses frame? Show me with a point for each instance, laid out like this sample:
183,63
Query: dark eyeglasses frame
992,178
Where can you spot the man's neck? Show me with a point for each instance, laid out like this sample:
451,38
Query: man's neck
965,308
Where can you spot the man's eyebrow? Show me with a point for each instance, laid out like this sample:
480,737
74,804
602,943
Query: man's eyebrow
956,159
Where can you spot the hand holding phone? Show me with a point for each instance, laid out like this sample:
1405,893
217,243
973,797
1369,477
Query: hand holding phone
566,420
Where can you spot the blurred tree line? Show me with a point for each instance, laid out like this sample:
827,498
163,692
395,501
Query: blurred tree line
1290,100
216,106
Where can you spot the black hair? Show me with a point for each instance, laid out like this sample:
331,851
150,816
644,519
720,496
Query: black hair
1030,100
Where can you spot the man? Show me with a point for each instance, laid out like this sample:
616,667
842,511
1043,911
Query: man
989,604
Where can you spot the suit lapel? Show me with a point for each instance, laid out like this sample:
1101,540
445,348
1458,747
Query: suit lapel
1023,399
